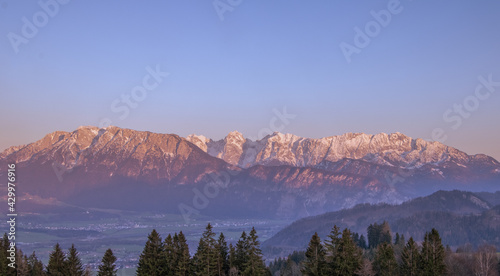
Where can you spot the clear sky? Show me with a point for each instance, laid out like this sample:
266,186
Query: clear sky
73,64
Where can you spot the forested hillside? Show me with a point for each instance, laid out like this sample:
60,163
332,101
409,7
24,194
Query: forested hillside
460,217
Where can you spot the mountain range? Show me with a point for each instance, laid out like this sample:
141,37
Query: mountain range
280,175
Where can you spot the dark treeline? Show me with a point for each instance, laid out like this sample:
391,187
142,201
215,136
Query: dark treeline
455,229
342,253
60,263
159,257
213,256
346,253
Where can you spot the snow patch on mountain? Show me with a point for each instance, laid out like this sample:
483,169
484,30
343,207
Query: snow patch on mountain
396,149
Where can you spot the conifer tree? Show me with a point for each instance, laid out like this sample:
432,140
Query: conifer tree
241,253
385,233
409,259
232,256
107,266
206,254
349,255
73,263
57,262
399,244
397,239
5,269
222,256
332,243
373,235
315,264
152,259
255,264
432,255
343,256
379,233
385,263
22,267
276,266
362,242
290,268
168,245
355,237
35,266
182,260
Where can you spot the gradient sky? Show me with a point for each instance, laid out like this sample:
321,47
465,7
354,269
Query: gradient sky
230,74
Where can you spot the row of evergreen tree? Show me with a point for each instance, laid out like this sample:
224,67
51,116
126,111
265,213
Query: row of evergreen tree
159,257
60,263
213,256
342,253
339,255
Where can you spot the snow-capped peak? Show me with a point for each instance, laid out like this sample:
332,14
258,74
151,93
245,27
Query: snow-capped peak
277,148
199,140
198,137
234,136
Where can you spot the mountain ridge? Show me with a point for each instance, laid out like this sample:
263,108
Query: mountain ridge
289,175
359,146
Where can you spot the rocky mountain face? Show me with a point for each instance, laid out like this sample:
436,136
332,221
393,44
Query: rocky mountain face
70,161
395,150
390,158
279,175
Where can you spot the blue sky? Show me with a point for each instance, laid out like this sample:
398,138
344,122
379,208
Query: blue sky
229,73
